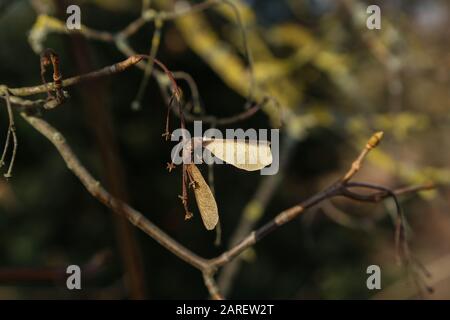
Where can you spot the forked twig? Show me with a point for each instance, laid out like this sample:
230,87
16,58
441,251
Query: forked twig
10,133
50,57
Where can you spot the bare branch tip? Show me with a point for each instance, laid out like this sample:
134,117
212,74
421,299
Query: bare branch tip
375,140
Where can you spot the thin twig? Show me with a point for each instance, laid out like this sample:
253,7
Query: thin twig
151,15
156,39
210,283
248,53
91,269
106,71
356,165
11,133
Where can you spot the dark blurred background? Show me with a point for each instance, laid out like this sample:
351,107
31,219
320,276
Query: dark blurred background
336,83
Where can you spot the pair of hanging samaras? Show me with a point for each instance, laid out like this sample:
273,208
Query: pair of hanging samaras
245,155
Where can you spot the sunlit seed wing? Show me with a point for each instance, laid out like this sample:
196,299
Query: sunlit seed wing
205,200
246,155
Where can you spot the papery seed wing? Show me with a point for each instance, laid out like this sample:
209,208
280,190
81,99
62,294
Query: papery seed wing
246,155
205,200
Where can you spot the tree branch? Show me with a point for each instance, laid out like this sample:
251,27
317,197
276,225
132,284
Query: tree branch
106,71
207,267
97,191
